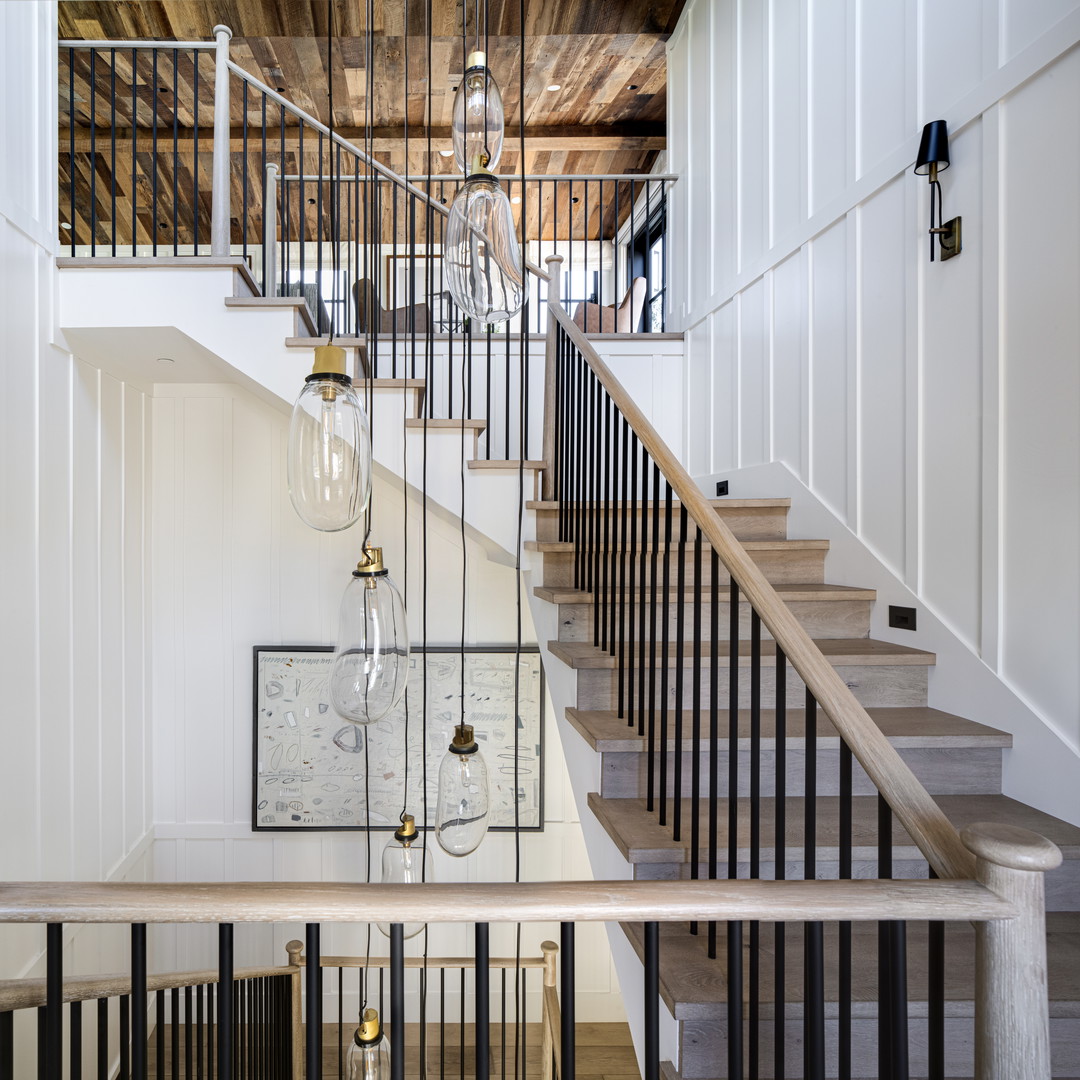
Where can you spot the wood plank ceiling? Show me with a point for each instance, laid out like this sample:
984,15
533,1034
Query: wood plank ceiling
607,59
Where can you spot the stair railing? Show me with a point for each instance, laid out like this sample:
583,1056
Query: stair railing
1010,865
653,564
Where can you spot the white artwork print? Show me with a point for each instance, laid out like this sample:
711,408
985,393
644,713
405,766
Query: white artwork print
310,763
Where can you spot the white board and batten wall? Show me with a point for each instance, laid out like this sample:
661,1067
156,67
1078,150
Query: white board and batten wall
932,408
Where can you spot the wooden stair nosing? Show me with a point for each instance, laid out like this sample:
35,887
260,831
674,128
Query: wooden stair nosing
641,839
809,592
906,727
732,504
420,423
840,652
296,303
496,464
552,547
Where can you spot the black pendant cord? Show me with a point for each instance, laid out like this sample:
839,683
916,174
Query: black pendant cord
367,875
335,257
935,214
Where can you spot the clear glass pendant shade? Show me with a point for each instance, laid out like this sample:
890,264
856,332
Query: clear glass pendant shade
482,255
371,662
329,460
477,124
406,861
368,1056
464,804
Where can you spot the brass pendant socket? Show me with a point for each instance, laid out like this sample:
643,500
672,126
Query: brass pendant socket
406,831
476,59
464,741
370,562
478,167
369,1030
329,360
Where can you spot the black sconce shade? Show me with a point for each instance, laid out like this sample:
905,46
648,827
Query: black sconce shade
934,148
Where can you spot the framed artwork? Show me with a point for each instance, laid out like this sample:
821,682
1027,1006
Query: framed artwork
309,764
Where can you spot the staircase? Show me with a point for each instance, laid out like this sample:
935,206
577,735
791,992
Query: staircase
957,759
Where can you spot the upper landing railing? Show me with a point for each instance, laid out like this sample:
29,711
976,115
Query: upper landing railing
166,150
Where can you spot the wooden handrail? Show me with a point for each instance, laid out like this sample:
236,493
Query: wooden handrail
933,833
510,963
566,901
30,993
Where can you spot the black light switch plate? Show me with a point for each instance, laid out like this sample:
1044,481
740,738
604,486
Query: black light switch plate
903,618
721,487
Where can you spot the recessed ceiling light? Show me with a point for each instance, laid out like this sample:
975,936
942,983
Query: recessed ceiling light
280,89
446,153
632,86
575,199
165,360
65,225
516,199
555,86
311,202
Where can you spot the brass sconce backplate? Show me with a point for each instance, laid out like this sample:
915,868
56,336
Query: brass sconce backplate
949,239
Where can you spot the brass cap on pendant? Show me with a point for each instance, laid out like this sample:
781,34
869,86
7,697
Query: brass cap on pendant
476,59
370,561
464,739
329,360
369,1029
406,831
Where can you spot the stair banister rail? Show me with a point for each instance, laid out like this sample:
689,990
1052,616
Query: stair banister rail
933,833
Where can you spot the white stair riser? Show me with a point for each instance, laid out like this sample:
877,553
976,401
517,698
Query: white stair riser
745,523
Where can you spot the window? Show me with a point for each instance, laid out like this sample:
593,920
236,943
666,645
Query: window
647,259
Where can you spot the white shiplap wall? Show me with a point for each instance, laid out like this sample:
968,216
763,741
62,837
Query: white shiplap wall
235,567
932,407
74,583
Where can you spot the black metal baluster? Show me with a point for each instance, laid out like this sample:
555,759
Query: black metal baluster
302,205
125,1037
102,1050
154,158
626,570
71,160
618,611
7,1034
844,929
714,725
569,1035
779,855
650,603
195,166
935,997
813,948
134,157
754,980
93,153
75,1052
319,328
665,667
54,999
461,1027
176,150
174,1031
442,1023
138,1001
112,149
225,1003
397,1001
159,1033
210,1014
892,969
652,1001
695,724
482,996
313,992
199,1000
42,1043
734,929
680,676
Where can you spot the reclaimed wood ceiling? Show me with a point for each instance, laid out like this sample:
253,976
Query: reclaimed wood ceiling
608,58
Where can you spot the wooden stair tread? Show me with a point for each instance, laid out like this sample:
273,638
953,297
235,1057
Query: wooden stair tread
809,592
695,987
906,728
554,546
641,839
841,652
495,463
733,504
265,301
446,425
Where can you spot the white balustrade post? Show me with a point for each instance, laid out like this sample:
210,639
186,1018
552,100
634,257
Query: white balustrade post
553,265
270,230
1012,1025
221,210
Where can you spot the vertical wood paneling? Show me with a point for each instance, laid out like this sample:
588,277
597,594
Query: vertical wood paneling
787,98
715,261
950,44
830,102
753,348
699,98
1023,21
881,106
752,156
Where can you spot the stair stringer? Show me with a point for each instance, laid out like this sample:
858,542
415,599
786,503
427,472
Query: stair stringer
583,765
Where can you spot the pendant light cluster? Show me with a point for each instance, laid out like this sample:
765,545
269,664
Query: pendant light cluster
483,265
368,1056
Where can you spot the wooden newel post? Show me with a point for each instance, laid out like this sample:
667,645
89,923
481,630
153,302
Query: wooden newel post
1012,1026
295,949
547,488
220,189
551,1036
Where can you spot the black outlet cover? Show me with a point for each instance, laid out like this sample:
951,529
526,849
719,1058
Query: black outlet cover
903,618
721,487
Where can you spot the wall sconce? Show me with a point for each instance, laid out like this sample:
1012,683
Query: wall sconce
934,156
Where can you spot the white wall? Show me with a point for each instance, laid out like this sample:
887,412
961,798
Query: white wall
74,586
235,567
932,408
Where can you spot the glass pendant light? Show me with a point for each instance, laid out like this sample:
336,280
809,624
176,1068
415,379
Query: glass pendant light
368,1057
461,816
477,123
482,255
329,460
371,663
406,861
